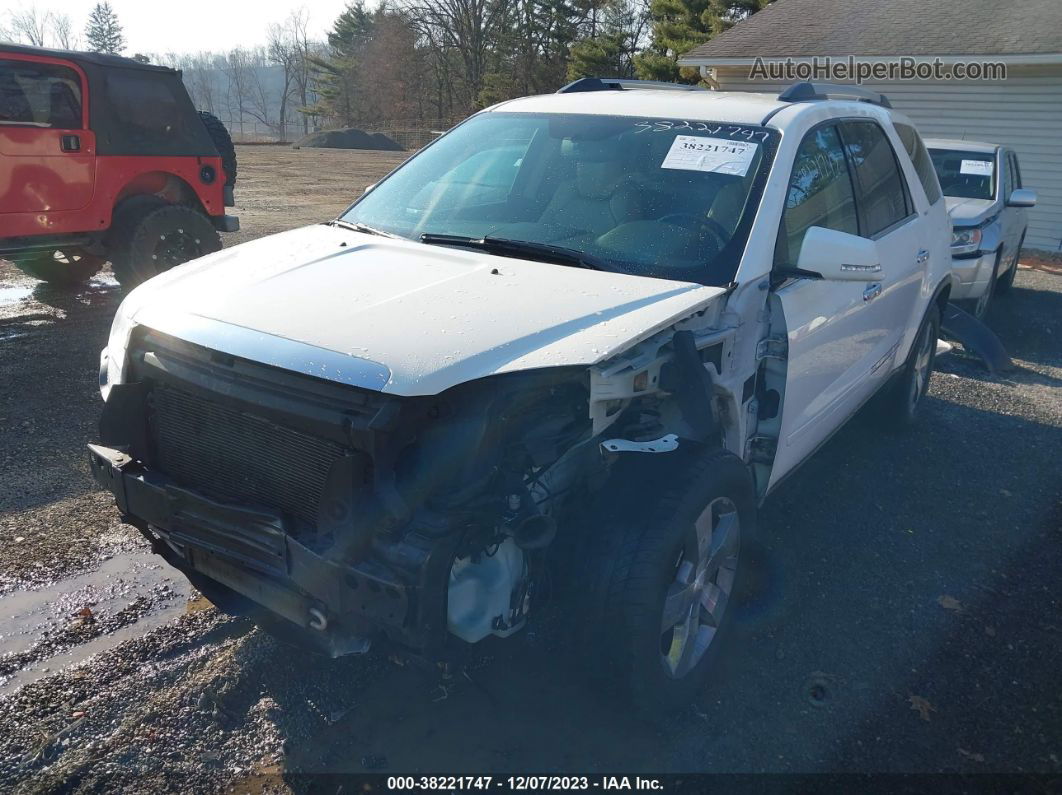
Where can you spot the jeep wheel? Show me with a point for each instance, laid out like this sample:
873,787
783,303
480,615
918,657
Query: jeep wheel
154,239
664,579
903,396
223,143
61,268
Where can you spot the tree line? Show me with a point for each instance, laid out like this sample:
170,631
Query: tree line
423,61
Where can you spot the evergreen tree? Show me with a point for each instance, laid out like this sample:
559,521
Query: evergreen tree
681,25
103,33
336,74
603,55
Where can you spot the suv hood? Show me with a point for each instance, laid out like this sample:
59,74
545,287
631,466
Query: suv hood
403,317
969,212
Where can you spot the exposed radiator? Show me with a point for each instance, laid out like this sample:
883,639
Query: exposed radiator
239,458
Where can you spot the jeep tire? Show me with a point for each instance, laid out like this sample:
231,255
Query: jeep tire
68,268
661,580
149,238
223,143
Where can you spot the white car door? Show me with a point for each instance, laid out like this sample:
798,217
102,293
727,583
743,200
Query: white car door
888,215
829,345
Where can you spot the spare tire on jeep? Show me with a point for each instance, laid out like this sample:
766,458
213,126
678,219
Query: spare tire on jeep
223,142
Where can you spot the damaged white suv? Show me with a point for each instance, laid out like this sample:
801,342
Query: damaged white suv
561,353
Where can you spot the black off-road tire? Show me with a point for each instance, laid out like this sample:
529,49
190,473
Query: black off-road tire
61,268
223,142
899,402
149,239
1006,280
634,540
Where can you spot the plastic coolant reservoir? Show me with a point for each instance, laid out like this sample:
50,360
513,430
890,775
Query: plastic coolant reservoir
480,592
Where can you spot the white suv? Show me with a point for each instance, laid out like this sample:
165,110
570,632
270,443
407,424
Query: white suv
559,355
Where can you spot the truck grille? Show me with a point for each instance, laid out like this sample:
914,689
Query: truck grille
239,458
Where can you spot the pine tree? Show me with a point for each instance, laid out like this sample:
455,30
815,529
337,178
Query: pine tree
103,33
336,74
679,26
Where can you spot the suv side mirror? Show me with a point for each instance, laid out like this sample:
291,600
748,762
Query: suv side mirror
1022,197
839,256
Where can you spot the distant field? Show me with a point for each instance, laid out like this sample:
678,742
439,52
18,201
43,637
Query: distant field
281,188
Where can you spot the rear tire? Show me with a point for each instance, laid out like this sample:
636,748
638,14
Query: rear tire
659,579
61,268
223,142
901,398
150,239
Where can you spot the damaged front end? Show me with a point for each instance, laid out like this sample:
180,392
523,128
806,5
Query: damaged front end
336,515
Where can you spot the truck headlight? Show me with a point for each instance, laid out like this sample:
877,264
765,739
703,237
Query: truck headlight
965,241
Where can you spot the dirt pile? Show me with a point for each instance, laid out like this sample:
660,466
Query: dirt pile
350,138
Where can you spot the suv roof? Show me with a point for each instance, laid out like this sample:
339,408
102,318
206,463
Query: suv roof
93,58
630,98
736,106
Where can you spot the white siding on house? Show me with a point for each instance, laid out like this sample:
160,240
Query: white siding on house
1023,112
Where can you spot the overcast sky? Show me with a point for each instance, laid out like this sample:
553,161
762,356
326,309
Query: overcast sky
160,26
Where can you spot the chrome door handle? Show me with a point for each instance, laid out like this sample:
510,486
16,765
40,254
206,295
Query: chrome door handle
872,292
922,258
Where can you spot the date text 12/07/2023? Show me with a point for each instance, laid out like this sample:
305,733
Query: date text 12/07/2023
522,783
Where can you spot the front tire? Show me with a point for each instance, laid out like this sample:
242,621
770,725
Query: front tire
979,306
152,239
662,577
1006,281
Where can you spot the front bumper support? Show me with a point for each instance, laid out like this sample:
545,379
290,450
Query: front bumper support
247,552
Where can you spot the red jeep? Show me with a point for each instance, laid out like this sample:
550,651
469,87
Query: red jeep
104,158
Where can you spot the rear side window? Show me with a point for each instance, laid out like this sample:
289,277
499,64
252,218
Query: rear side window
143,105
916,150
820,194
882,192
39,95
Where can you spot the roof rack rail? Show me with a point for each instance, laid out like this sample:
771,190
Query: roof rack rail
805,92
622,84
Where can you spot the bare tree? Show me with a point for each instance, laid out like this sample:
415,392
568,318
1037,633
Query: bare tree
283,52
31,25
63,32
467,27
238,83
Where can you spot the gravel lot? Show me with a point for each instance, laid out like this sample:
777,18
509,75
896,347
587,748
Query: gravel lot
912,622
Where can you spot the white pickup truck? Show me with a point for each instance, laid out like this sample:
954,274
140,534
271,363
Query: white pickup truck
561,353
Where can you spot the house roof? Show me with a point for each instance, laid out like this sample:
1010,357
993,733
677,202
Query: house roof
808,28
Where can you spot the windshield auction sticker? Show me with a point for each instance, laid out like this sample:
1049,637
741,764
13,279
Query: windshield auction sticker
981,168
722,156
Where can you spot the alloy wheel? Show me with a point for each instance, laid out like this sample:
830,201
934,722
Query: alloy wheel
697,598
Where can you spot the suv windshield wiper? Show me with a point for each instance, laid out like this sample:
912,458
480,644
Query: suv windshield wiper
368,230
543,252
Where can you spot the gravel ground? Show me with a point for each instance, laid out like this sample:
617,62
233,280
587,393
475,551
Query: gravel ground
911,624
